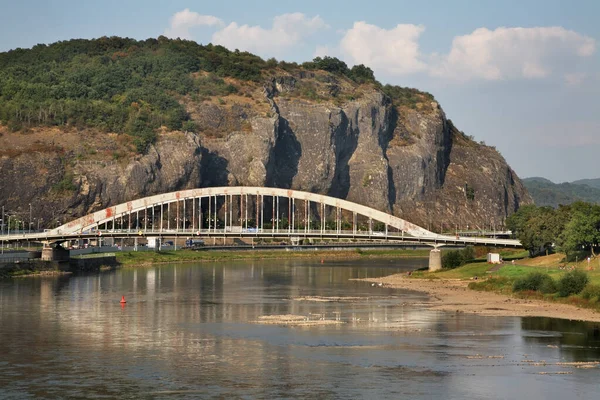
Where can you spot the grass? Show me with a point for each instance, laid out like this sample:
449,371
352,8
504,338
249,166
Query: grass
502,280
133,258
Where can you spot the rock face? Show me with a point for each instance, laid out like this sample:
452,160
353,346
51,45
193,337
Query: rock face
409,162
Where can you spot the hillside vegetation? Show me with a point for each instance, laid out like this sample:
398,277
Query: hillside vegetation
572,229
595,183
547,193
134,87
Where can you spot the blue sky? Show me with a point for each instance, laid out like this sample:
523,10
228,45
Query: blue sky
523,76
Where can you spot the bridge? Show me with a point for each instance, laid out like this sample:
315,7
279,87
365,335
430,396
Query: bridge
247,212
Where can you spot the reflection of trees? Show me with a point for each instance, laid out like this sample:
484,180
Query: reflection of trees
578,340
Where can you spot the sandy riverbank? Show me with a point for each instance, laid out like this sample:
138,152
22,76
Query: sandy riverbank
454,296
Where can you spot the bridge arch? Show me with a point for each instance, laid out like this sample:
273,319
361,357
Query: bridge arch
135,207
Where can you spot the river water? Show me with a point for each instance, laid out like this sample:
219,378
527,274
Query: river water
191,331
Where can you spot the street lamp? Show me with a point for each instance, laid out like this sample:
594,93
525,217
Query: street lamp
30,218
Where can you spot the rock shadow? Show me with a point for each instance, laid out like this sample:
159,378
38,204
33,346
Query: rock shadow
345,141
284,157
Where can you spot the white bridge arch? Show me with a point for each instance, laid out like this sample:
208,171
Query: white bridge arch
205,200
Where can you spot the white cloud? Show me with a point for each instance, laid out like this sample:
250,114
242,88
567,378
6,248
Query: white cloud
288,30
513,53
394,51
181,22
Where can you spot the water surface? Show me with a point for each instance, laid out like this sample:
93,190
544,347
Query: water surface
190,331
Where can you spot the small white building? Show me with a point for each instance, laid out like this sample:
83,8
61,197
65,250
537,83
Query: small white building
153,242
494,258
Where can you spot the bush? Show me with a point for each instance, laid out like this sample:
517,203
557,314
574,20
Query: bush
535,281
455,258
189,126
451,259
548,286
468,254
591,291
65,184
574,256
572,283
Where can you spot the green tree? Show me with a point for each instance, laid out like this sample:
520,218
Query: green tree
362,74
537,228
582,232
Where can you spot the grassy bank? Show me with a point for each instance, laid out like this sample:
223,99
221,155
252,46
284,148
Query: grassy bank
501,279
133,258
28,268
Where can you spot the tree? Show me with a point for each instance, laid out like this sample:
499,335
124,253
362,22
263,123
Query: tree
582,232
536,227
329,64
362,74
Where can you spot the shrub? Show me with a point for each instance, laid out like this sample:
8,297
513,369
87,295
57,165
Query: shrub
572,283
535,281
591,291
65,184
451,259
456,258
468,254
189,126
574,256
548,285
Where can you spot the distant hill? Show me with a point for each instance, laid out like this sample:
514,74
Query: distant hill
595,183
548,193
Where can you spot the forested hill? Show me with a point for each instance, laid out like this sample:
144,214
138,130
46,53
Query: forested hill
85,124
547,193
595,183
127,86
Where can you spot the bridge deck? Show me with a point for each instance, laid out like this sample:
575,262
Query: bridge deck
264,233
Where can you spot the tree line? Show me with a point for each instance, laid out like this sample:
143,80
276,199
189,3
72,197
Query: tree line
133,87
573,229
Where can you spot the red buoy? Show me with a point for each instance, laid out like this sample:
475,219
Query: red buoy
123,301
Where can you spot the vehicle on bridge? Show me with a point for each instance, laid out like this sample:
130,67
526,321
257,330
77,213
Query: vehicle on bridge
191,243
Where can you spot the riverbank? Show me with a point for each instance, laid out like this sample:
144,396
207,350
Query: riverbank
449,290
135,259
28,268
147,258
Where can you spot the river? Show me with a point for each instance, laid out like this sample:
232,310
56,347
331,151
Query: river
191,331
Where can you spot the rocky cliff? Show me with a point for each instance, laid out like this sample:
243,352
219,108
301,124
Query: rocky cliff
310,131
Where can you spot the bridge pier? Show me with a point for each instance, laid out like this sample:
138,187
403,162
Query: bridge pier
435,260
54,252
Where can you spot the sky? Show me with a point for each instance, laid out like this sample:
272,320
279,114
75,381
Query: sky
523,76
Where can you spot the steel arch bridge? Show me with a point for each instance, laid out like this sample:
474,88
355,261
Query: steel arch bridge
210,207
247,212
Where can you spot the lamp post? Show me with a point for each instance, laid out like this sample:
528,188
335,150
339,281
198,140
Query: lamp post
2,220
30,218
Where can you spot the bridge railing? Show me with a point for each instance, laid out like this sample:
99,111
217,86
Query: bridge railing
257,232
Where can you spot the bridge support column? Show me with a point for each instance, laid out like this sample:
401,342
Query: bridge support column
435,260
54,252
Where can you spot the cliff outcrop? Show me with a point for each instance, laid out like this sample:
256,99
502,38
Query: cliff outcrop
342,139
